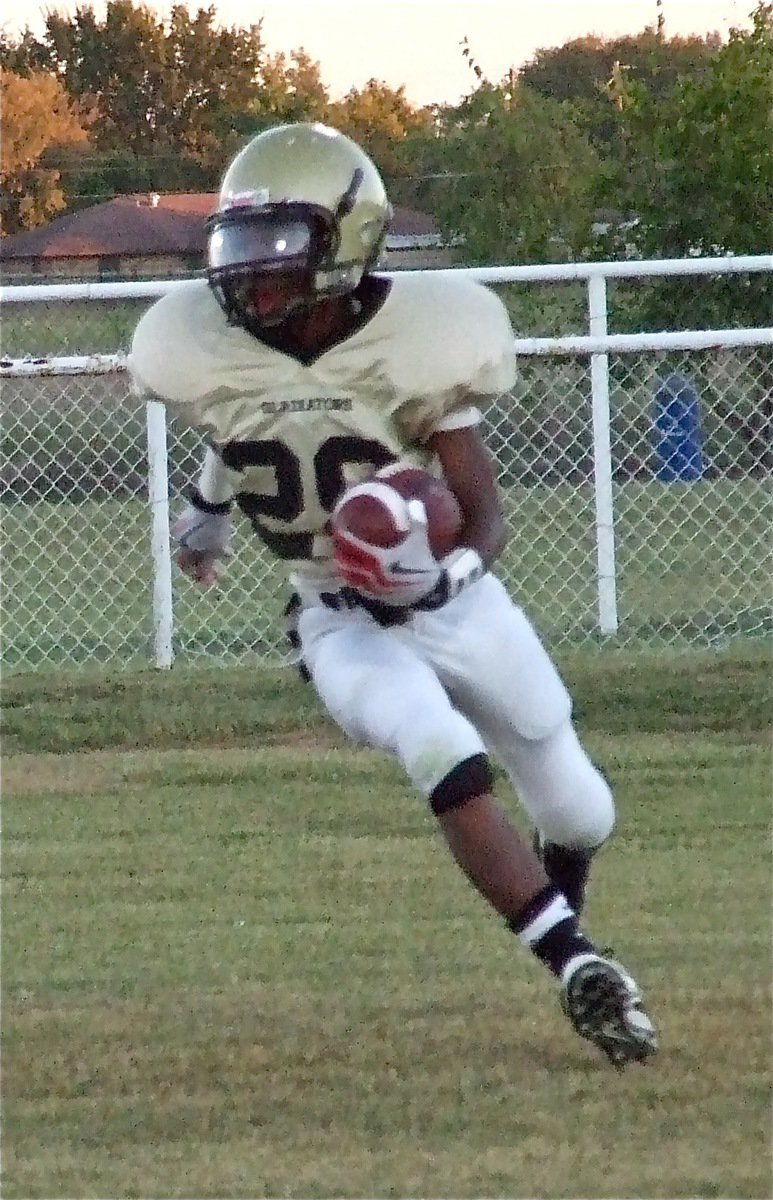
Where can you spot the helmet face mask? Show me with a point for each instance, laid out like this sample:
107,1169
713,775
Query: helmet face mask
251,246
300,203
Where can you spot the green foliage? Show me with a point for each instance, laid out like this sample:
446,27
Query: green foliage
683,163
511,175
165,92
666,141
586,72
704,153
292,90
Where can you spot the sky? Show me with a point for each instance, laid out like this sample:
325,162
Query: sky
416,43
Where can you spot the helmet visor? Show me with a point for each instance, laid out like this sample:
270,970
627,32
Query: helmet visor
264,241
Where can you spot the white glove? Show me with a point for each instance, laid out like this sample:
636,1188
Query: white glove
458,570
204,539
399,576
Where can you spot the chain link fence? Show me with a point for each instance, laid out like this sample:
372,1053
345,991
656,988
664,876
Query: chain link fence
693,510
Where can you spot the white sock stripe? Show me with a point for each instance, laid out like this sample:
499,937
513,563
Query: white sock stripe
558,910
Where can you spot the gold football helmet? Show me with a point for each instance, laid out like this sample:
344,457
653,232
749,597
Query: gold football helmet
303,200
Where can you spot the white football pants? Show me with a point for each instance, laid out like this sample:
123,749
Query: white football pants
469,678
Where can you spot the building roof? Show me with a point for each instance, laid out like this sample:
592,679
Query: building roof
150,224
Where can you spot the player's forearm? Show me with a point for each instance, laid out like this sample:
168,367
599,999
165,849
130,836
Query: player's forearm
469,472
486,535
216,484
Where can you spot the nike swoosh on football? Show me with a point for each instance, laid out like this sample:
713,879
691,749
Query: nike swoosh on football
399,569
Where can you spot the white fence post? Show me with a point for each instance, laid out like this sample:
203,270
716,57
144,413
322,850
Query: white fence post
602,461
158,496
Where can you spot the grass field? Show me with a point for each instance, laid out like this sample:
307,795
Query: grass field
70,327
238,961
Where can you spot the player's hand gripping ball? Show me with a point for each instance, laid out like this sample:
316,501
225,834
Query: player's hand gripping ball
390,531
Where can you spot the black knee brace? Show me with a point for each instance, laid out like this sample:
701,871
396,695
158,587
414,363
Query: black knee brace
470,778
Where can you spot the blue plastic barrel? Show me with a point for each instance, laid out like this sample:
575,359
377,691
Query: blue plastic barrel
678,441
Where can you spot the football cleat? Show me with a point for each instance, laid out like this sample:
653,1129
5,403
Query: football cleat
604,1005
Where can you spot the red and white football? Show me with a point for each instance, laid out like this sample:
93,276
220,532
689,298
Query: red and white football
376,511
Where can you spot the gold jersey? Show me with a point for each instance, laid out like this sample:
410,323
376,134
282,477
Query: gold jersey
295,434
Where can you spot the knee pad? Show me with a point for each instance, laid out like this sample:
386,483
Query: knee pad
586,820
470,778
566,796
597,817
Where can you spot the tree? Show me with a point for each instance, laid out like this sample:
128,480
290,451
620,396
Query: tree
173,99
292,89
24,54
512,175
38,121
579,69
380,119
161,89
582,71
707,150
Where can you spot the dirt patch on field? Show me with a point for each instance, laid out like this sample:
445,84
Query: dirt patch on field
102,770
42,774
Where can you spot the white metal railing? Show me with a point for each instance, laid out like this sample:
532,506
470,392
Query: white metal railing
598,344
688,339
729,264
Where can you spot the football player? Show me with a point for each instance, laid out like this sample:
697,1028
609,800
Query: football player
307,370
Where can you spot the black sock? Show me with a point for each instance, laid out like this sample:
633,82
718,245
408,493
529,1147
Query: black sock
568,868
548,927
